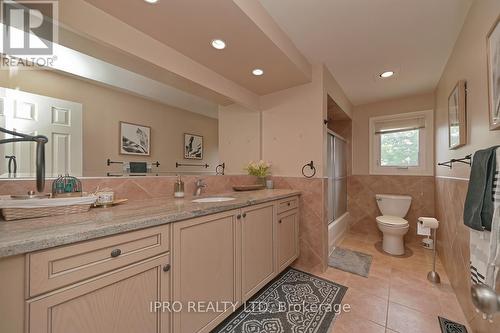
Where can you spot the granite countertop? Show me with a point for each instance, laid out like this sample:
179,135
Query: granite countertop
23,236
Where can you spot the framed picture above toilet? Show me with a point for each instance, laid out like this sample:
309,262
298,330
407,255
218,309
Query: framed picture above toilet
493,51
457,116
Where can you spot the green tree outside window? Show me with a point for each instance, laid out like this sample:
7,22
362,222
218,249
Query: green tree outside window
400,149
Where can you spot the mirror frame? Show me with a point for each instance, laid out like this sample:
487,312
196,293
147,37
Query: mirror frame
460,89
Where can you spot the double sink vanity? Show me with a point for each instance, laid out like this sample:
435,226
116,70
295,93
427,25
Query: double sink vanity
158,265
118,122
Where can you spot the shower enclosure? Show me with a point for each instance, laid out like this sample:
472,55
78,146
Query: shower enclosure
337,188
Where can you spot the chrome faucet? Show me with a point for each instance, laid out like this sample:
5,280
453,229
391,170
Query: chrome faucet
199,186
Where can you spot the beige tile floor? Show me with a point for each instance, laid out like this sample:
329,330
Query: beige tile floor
396,296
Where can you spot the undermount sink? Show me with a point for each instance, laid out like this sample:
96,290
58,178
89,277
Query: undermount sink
213,199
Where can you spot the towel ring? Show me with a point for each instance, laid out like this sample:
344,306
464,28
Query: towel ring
312,167
219,170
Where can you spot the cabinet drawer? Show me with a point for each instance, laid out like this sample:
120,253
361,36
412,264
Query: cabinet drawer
287,204
53,268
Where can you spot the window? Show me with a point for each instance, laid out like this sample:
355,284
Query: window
400,149
402,144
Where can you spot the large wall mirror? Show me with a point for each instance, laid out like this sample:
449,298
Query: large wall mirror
107,113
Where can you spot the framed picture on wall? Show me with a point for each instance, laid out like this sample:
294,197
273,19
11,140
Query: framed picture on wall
193,146
457,117
135,139
493,49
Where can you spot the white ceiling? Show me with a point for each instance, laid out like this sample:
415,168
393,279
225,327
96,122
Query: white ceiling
358,39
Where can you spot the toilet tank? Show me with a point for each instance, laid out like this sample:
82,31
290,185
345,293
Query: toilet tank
393,205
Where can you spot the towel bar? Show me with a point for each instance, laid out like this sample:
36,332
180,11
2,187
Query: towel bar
465,160
109,162
177,164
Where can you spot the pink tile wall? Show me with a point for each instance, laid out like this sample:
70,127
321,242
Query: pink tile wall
313,235
453,248
313,231
138,188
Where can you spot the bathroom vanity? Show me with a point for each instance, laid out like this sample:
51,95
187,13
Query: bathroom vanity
102,271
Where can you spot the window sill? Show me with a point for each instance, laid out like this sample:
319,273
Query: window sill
401,172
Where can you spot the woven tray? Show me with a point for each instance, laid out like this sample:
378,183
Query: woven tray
248,187
10,214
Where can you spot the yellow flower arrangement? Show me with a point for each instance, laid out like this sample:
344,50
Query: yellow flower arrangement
260,169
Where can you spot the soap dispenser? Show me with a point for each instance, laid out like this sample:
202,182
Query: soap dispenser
179,188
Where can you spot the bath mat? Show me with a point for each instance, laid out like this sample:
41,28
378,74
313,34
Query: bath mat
293,302
350,261
448,326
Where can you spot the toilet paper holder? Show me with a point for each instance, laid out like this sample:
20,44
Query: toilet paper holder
432,276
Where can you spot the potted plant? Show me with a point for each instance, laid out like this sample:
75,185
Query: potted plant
261,170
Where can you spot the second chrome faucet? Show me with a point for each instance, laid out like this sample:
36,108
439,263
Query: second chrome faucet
199,185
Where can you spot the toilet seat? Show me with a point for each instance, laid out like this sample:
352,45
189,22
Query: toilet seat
392,221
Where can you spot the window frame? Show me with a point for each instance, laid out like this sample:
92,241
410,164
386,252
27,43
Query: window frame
426,146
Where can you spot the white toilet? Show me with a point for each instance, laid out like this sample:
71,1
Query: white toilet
392,223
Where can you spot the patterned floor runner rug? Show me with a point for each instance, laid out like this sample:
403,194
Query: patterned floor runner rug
295,301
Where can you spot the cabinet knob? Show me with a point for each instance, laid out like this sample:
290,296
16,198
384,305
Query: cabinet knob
244,214
238,216
166,268
279,221
289,203
115,253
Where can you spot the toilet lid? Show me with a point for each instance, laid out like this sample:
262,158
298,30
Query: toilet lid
392,220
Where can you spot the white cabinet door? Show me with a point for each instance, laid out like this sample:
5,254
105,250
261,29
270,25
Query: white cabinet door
258,236
59,120
206,268
288,238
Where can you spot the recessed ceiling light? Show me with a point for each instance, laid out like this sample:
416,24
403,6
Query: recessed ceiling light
151,1
218,44
257,72
386,74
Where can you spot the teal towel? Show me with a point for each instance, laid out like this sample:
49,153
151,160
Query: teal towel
478,209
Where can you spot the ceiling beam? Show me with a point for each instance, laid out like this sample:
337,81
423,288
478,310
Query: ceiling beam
76,15
262,19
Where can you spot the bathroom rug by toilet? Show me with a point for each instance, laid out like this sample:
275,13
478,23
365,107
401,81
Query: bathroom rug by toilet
350,261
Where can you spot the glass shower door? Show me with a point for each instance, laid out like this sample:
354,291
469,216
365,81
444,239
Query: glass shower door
330,180
340,202
337,177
